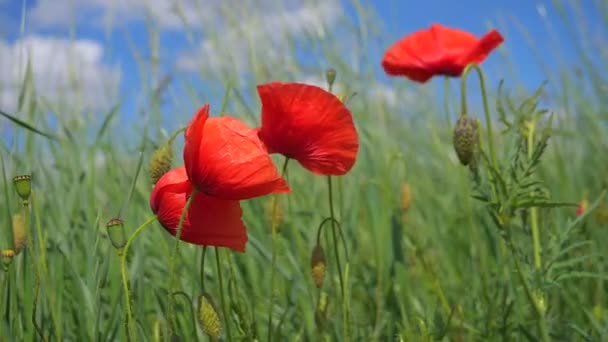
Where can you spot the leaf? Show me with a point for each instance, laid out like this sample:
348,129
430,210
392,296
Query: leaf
543,204
106,123
27,126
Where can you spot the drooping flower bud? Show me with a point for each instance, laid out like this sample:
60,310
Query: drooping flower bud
318,265
7,257
406,196
465,139
208,318
19,232
23,186
116,233
330,76
160,163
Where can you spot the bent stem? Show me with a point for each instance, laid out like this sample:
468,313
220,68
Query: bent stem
125,282
274,224
486,107
222,298
178,236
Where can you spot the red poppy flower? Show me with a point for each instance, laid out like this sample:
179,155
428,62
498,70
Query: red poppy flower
309,124
209,221
438,50
226,159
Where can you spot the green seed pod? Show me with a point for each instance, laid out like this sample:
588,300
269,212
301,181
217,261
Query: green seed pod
330,76
19,232
208,318
116,232
23,186
160,163
465,139
318,266
7,257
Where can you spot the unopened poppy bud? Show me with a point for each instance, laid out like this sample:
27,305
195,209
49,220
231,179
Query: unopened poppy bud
23,186
116,232
582,206
330,76
601,214
406,196
7,257
160,163
208,318
19,232
465,139
318,265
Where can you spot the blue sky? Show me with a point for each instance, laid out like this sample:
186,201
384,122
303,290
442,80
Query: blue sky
111,36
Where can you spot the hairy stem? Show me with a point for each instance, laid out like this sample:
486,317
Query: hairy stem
222,297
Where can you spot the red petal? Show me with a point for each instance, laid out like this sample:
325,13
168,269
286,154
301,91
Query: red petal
210,221
438,50
309,124
235,164
192,147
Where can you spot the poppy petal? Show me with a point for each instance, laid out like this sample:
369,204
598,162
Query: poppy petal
438,50
235,164
210,221
309,124
193,139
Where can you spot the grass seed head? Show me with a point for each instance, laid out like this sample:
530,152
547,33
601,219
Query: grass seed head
116,232
406,196
208,318
318,265
19,232
465,139
23,186
160,163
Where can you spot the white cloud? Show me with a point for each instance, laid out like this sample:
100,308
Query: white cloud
64,71
262,34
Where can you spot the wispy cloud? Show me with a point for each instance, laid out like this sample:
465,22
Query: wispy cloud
64,71
261,35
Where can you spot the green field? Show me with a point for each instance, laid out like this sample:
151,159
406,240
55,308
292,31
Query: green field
431,249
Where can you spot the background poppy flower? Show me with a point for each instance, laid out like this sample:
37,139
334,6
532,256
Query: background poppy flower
309,124
226,159
438,50
209,222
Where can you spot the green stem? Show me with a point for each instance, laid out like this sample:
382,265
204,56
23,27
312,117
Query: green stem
174,136
338,263
534,211
446,101
222,297
178,236
203,268
274,252
540,313
486,107
125,281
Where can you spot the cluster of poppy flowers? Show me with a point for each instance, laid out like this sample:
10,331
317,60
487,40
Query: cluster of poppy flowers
226,161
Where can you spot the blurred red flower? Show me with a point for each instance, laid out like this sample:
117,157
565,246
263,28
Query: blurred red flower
225,159
209,221
438,50
306,123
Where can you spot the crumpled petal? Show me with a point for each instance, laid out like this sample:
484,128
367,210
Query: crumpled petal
209,222
309,124
194,138
438,50
234,164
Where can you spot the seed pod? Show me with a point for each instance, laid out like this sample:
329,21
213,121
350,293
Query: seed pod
23,186
19,232
465,139
208,318
406,196
330,76
7,257
116,232
160,163
318,266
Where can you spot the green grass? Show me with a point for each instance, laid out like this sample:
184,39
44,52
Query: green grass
439,271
